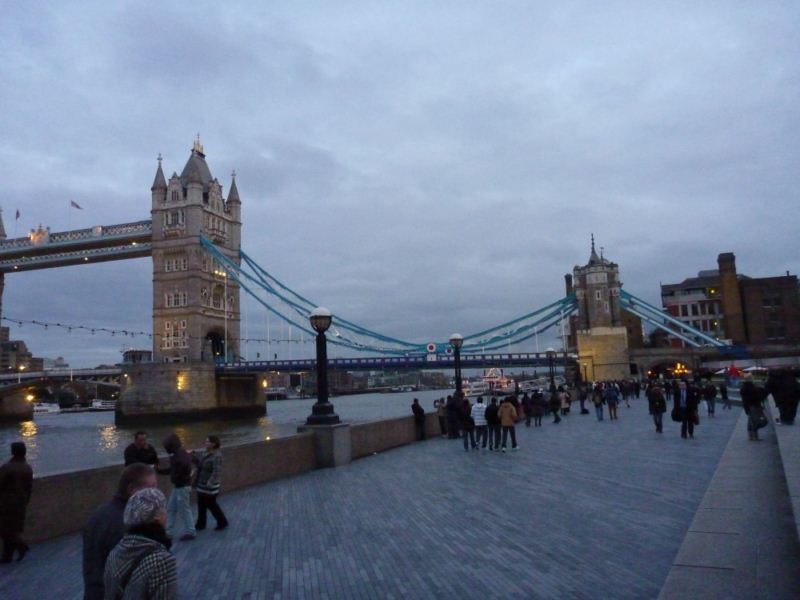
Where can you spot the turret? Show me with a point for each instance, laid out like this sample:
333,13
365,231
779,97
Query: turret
159,187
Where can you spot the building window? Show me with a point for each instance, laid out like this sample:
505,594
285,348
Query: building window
174,195
598,295
684,310
695,311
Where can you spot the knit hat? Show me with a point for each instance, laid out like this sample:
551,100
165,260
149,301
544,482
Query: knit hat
144,506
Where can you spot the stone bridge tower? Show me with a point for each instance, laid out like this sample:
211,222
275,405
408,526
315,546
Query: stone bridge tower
601,334
195,305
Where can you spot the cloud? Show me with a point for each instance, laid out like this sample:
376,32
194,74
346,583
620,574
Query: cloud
417,168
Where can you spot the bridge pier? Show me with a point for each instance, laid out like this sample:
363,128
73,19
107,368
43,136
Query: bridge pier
14,405
159,392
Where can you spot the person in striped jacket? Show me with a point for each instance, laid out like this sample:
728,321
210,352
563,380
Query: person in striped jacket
207,482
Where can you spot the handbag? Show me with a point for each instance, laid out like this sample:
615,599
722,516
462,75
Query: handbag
676,415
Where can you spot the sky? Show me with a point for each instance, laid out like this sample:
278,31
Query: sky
419,168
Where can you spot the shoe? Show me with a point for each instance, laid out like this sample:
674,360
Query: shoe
503,449
515,448
220,527
187,537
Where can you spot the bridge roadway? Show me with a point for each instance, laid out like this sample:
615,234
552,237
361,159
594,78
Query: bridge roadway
584,509
468,361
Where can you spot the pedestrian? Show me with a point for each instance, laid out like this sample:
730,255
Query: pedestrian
597,400
479,418
685,408
658,406
752,403
626,392
555,405
468,425
179,511
419,419
208,482
710,396
611,397
508,419
16,483
723,392
785,390
564,399
637,388
493,423
583,396
141,565
105,527
140,451
441,413
538,407
453,410
527,407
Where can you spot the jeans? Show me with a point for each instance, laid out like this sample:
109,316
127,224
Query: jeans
481,432
598,409
209,502
179,512
513,431
494,436
471,434
658,419
711,405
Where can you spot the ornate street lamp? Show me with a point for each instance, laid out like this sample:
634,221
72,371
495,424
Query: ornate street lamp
551,355
322,411
456,340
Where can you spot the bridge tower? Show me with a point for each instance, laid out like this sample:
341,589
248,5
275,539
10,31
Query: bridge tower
601,334
195,305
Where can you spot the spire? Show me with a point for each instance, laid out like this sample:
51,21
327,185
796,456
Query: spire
159,183
233,194
593,258
2,226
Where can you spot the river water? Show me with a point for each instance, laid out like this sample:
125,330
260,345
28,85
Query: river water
74,441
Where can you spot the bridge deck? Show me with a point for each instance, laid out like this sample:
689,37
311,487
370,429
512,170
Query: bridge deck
584,510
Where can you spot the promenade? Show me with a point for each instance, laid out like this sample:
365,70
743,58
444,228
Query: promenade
584,509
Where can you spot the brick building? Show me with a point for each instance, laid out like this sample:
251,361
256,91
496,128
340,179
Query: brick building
732,306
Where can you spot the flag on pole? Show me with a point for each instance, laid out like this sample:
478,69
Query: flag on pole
75,204
17,217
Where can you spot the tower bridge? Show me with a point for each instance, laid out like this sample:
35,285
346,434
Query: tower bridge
200,272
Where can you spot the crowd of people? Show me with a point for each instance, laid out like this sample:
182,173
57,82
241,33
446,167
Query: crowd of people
127,540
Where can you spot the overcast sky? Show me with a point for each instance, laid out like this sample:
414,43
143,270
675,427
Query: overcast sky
418,168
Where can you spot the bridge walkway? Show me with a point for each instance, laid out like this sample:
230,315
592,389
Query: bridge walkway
584,509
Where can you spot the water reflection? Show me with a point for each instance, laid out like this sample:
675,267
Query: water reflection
109,438
28,429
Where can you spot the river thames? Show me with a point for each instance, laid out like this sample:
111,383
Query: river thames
84,440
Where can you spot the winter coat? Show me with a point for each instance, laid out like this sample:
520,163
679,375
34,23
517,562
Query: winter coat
538,405
611,395
140,567
180,462
507,414
479,414
751,395
16,483
658,404
491,415
419,413
134,454
691,402
102,532
209,472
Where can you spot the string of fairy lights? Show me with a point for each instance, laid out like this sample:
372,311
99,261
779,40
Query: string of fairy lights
93,330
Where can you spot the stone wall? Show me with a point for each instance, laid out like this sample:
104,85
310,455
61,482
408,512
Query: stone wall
605,352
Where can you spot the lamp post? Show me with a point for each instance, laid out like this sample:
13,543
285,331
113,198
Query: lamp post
585,380
322,411
20,368
456,340
551,355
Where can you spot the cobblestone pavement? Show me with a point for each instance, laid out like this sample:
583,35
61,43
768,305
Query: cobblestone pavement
584,509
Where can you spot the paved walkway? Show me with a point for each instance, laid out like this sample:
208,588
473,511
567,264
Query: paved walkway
743,541
583,510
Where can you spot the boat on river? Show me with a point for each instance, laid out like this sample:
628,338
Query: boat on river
46,408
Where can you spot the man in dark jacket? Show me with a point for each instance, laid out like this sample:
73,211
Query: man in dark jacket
493,423
685,407
105,527
419,419
140,451
16,483
179,510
